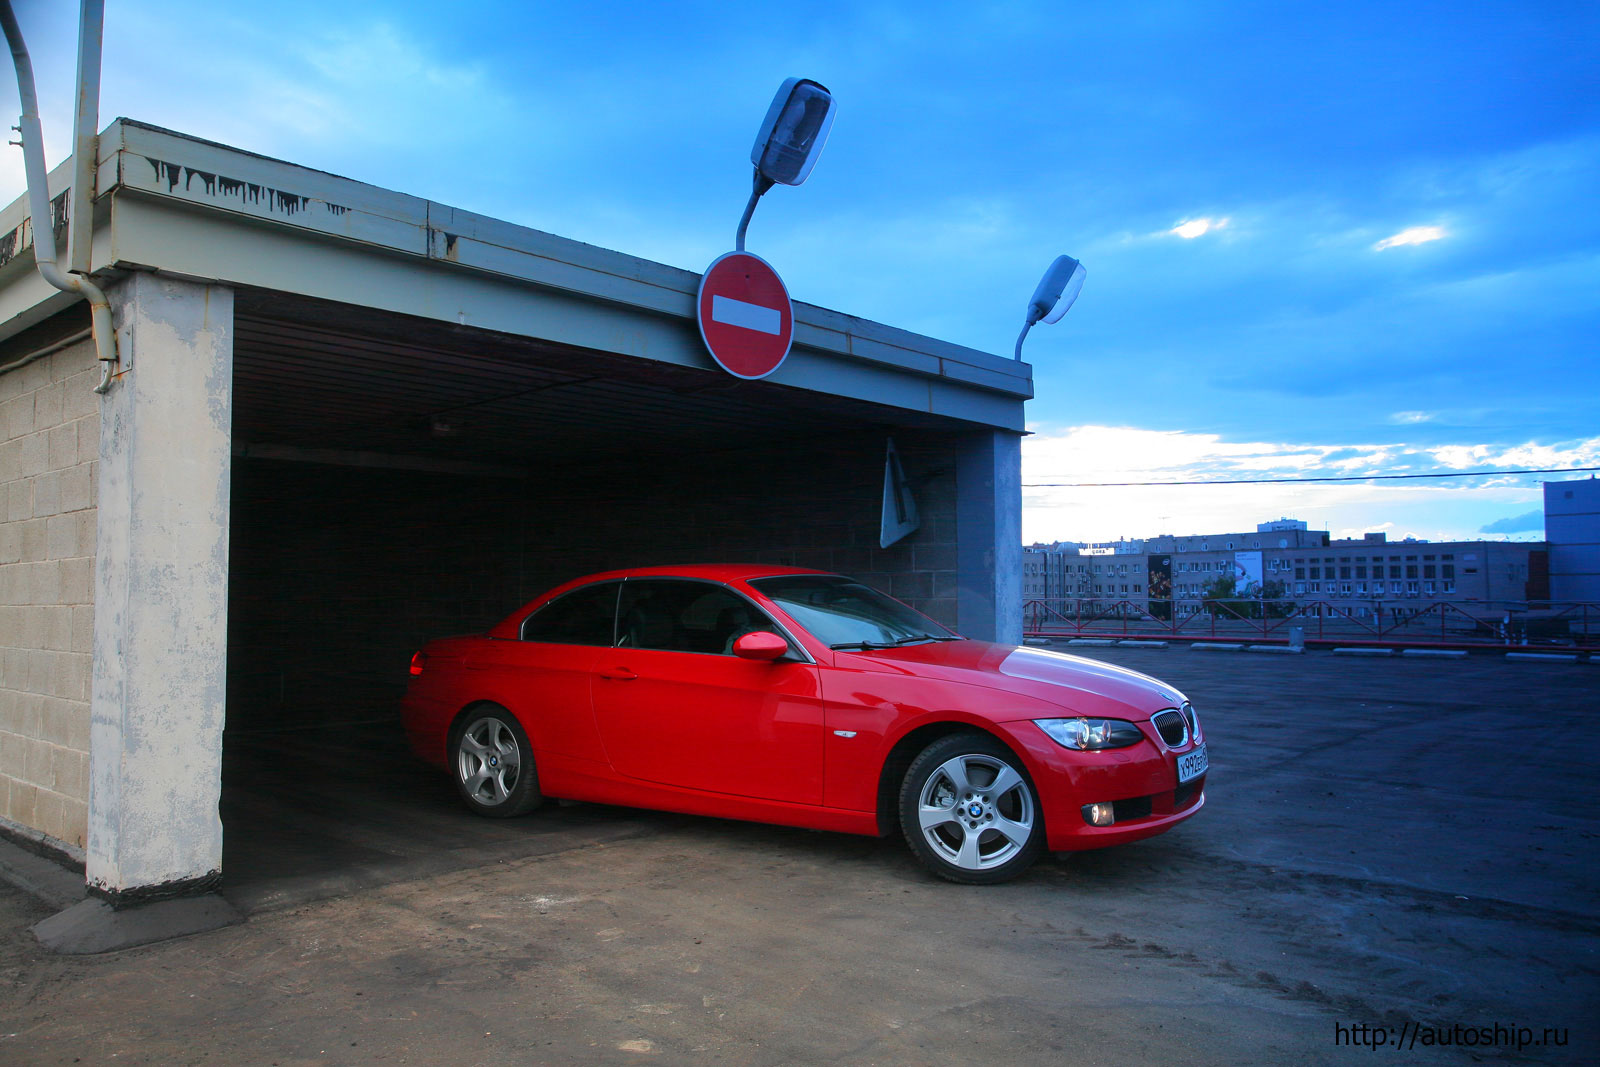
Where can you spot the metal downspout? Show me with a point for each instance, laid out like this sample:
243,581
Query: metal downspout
32,142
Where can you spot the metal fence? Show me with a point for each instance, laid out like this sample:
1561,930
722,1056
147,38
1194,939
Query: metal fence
1385,623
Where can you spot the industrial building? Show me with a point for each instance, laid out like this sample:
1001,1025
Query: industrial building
1572,530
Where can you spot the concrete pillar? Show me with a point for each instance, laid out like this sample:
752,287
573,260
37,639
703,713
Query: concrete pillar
989,537
161,595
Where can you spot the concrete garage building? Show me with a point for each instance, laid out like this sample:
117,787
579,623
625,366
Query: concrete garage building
345,420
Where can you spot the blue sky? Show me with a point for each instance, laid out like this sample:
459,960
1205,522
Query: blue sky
1321,239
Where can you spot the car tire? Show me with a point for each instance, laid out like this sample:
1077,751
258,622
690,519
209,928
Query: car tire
969,811
492,763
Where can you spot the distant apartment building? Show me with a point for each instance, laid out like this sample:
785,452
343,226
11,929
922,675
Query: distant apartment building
1050,571
1285,559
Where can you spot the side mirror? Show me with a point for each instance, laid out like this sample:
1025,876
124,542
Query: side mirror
762,645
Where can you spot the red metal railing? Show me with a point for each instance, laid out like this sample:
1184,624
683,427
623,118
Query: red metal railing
1394,623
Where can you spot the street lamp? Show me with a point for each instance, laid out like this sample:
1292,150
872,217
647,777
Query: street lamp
1057,291
790,140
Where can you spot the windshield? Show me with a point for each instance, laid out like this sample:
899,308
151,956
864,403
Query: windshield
843,613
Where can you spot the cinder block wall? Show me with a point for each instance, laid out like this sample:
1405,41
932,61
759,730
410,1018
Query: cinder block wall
49,450
337,574
803,504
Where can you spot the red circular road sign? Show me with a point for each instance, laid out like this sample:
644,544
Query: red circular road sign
746,319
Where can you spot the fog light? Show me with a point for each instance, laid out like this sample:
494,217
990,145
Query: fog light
1099,814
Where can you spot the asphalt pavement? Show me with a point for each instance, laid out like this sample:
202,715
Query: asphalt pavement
1393,853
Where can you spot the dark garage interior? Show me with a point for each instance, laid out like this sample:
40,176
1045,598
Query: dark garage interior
396,480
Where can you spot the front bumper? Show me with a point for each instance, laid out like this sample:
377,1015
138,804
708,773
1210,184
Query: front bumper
1141,782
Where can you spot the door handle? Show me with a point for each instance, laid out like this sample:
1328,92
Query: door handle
618,674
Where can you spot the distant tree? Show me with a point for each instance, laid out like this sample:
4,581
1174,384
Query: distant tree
1222,596
1276,594
1223,587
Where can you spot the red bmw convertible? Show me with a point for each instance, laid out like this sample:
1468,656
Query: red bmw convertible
792,696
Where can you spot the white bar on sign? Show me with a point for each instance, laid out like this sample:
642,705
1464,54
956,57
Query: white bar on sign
733,312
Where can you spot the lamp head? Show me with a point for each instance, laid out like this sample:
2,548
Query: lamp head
794,131
1057,290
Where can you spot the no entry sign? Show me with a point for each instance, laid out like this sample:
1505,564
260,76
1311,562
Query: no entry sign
746,319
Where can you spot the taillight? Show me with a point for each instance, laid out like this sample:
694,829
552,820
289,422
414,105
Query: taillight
417,660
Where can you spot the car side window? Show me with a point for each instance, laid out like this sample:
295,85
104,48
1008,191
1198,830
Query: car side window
585,616
678,616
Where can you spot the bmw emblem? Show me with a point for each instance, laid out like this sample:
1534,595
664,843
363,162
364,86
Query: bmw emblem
975,809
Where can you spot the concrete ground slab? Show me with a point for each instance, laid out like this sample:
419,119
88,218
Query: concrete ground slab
1370,856
338,807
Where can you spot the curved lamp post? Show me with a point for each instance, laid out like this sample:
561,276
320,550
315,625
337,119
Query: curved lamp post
1057,290
790,140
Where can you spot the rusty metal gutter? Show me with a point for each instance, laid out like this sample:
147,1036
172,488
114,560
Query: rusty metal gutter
32,143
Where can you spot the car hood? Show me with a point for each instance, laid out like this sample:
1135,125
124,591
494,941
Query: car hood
1077,685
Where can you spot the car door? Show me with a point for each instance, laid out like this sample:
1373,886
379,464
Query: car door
676,707
545,676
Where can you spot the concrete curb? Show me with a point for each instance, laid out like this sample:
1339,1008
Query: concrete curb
1231,646
46,879
93,926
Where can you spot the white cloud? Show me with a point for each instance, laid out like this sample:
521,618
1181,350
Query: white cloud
372,99
1189,229
1460,457
1446,509
1414,235
1405,418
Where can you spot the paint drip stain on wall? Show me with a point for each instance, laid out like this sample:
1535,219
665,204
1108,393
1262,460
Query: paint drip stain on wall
251,193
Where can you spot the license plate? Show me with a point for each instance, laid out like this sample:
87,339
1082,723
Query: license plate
1192,764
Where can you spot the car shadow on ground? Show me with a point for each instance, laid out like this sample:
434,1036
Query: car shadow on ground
317,811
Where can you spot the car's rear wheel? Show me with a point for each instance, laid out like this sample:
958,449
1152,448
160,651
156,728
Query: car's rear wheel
969,812
493,763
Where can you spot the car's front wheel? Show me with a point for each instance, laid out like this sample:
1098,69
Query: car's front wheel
493,763
969,812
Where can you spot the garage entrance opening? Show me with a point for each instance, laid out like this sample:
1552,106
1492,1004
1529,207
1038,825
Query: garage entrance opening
397,480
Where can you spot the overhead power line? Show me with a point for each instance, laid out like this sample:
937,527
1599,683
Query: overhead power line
1287,481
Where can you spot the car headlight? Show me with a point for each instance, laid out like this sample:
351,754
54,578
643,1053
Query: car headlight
1086,735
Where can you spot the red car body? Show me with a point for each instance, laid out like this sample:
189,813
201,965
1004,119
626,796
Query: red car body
819,738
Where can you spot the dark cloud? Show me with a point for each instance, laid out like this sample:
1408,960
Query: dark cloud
1533,520
977,142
